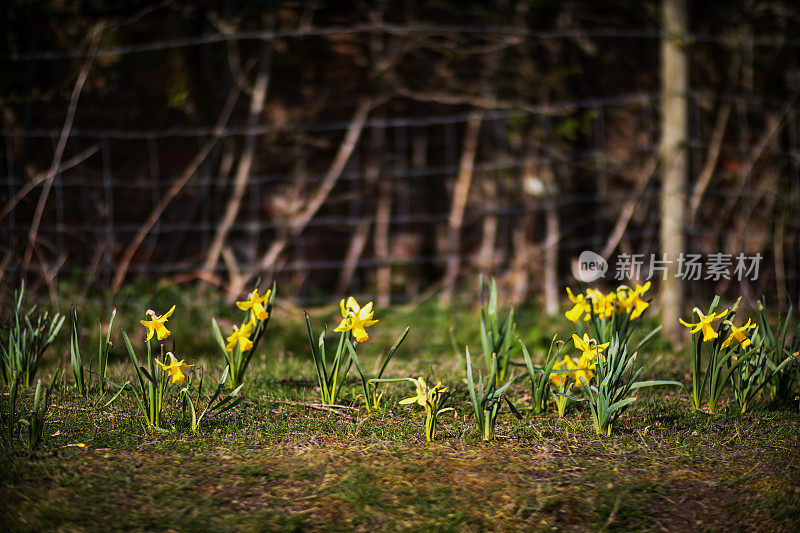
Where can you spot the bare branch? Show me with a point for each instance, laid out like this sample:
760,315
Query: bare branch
77,89
173,191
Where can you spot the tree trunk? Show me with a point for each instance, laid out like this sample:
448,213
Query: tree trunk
674,160
459,204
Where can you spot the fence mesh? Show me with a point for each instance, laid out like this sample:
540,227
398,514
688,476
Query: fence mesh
539,181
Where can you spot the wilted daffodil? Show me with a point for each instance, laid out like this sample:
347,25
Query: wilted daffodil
704,324
739,334
632,299
175,368
356,318
255,304
156,324
240,336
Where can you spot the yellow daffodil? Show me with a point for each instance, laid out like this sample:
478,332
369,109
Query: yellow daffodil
156,324
586,368
356,318
739,334
604,304
422,393
632,299
175,368
559,380
588,346
240,336
581,306
255,304
704,324
425,396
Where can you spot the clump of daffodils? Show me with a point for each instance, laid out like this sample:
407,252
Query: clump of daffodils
742,356
150,387
706,341
433,399
607,315
616,380
332,372
624,300
238,347
569,372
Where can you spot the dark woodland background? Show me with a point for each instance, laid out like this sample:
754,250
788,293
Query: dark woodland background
388,149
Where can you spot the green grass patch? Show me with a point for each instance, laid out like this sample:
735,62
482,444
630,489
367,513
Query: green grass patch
283,462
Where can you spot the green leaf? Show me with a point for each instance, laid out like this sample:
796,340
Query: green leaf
392,350
619,405
657,383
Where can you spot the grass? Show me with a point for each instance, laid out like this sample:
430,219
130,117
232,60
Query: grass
279,464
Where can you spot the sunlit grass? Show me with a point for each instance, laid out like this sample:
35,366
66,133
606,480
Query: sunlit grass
284,461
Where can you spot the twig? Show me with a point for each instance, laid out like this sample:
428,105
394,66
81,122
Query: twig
245,164
77,89
630,206
36,180
777,247
715,144
776,124
188,172
299,222
613,514
319,406
459,204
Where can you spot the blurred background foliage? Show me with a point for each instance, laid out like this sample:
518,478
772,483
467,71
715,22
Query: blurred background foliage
389,149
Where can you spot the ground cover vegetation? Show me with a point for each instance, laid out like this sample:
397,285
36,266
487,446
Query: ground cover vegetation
595,423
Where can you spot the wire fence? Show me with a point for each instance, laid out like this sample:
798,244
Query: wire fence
538,184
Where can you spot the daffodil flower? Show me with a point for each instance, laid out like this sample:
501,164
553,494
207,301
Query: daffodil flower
585,370
739,334
255,304
559,379
588,346
422,393
603,305
426,396
175,368
581,306
632,299
156,324
356,318
704,324
240,336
